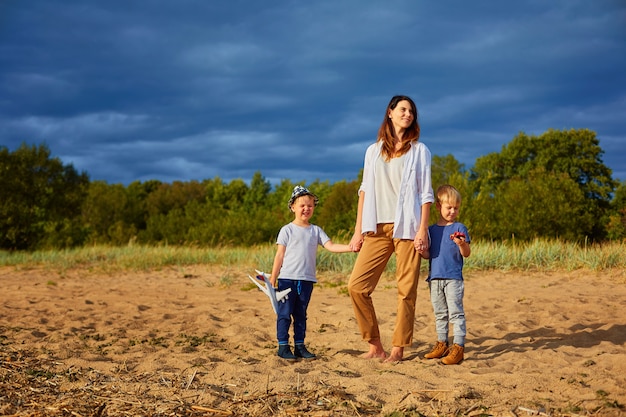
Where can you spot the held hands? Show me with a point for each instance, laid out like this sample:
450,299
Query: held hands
420,246
421,243
356,242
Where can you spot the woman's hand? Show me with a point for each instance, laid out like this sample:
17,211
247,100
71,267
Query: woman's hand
421,240
356,242
420,246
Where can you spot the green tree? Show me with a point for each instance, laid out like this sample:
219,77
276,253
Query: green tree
444,169
616,225
447,170
40,199
233,195
205,224
280,197
258,192
338,212
114,214
541,204
166,197
99,210
136,213
104,213
619,197
575,153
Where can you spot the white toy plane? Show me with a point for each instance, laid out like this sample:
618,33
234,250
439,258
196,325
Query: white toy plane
268,289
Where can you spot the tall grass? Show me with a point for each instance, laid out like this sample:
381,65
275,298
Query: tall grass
547,255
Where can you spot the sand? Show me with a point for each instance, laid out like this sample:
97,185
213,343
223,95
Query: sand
201,341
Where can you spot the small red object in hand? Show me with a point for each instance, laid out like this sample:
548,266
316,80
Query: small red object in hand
456,234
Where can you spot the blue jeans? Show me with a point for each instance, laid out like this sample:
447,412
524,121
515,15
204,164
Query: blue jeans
446,295
295,306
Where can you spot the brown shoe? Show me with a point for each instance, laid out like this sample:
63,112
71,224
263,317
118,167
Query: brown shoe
438,351
454,356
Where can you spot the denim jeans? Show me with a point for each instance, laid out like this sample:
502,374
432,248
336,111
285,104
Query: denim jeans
295,306
446,295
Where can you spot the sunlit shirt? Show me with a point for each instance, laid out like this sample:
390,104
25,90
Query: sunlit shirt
387,186
301,244
415,190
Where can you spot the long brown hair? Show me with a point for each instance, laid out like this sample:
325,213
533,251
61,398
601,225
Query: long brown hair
387,133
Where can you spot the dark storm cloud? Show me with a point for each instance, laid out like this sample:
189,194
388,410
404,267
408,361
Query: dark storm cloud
192,90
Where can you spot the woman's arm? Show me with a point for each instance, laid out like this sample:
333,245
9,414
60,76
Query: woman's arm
421,237
425,194
357,237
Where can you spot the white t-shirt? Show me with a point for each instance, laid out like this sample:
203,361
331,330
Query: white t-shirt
387,185
301,244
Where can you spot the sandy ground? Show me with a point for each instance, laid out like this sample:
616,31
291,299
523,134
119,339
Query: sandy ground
199,341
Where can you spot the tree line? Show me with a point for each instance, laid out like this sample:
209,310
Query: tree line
554,185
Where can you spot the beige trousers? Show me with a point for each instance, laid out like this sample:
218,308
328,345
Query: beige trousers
370,263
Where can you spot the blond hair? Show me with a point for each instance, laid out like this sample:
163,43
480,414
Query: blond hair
447,193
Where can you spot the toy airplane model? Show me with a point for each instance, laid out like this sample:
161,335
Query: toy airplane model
268,289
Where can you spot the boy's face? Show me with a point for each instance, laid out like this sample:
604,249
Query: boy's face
303,207
448,210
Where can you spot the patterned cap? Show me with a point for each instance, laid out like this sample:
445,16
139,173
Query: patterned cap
299,191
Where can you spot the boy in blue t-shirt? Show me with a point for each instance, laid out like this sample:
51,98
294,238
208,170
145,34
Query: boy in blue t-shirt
295,267
449,244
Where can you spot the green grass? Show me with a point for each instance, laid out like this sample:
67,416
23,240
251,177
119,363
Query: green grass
536,255
547,255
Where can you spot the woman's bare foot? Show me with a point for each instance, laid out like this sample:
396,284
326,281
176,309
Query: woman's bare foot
376,350
396,354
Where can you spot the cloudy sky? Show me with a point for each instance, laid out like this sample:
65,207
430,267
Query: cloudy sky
193,89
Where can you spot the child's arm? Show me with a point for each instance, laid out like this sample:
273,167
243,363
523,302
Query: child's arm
337,247
357,238
278,263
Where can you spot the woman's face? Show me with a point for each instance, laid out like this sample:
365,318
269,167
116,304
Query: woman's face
402,115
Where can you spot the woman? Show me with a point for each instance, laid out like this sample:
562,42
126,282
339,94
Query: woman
393,210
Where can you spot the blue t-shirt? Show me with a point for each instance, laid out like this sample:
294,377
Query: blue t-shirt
446,261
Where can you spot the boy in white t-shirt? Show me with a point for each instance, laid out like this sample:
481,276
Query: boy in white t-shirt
295,267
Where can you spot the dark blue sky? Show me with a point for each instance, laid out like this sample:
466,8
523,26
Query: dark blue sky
182,90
